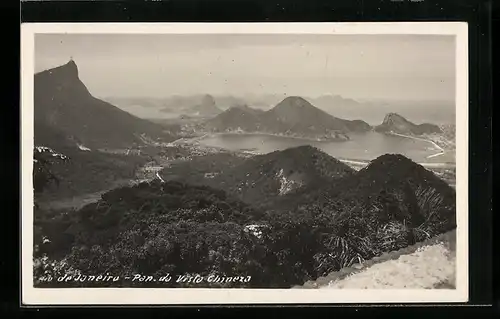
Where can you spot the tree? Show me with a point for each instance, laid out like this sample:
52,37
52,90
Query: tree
43,159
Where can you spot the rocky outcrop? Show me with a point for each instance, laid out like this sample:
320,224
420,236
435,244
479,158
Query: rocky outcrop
395,123
63,104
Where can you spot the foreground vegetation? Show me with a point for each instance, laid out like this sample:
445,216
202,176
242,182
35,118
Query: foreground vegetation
87,172
158,228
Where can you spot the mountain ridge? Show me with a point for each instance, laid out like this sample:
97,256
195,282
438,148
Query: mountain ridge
64,103
294,115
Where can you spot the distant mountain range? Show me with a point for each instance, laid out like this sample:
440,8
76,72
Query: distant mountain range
185,104
193,106
65,108
293,116
370,110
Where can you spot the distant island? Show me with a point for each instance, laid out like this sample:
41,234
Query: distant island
395,123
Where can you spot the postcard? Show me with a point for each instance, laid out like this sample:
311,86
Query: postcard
262,163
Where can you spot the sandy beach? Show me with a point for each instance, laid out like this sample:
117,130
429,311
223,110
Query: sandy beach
441,150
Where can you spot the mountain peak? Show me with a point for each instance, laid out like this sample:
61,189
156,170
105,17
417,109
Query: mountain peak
396,123
72,63
68,71
392,117
208,99
301,149
389,163
63,102
295,101
71,67
391,159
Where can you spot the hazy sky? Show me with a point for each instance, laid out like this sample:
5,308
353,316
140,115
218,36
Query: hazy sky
413,67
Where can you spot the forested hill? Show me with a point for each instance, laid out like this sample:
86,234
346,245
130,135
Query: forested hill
261,179
270,176
173,227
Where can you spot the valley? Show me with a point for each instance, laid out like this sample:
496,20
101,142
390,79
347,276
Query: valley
195,152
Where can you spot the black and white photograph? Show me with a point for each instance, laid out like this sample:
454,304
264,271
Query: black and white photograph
306,162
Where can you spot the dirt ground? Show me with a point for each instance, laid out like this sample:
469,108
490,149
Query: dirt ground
427,265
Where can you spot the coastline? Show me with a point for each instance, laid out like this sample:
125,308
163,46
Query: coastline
356,163
305,138
194,142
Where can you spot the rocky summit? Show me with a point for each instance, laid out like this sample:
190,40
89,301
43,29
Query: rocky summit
395,123
63,104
